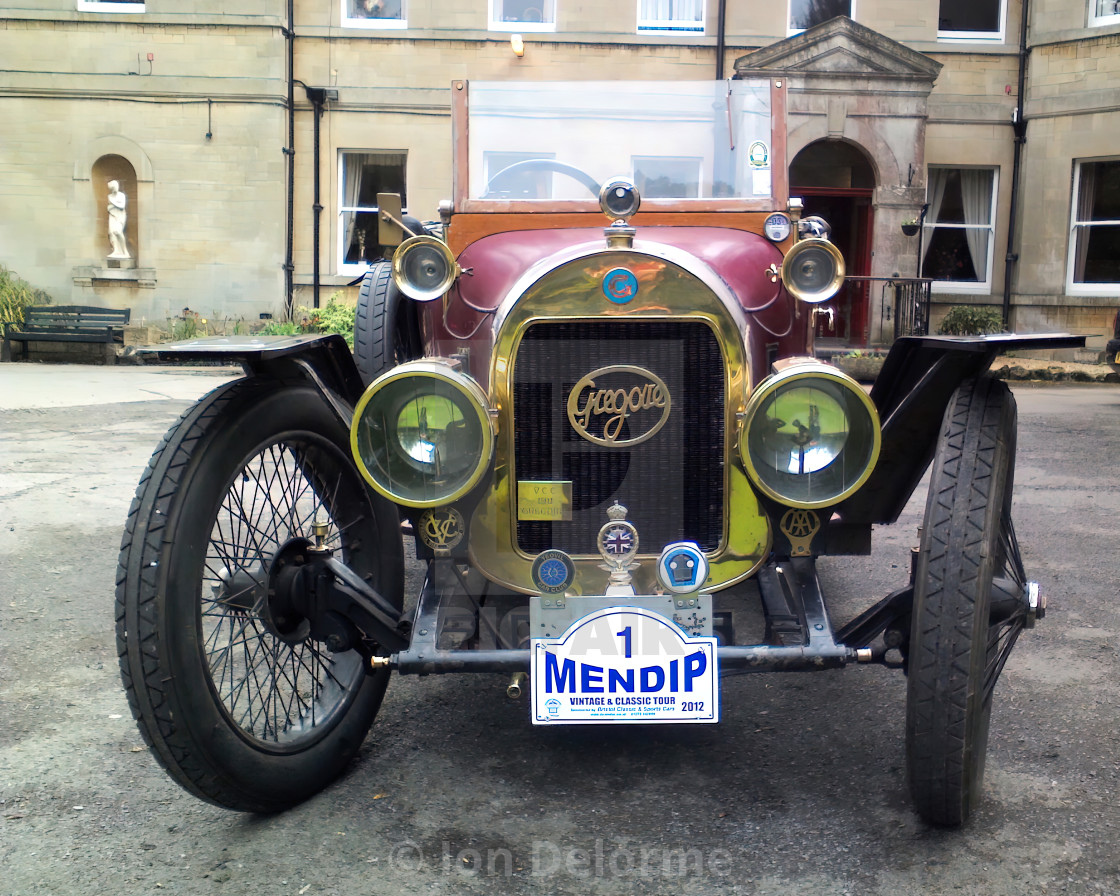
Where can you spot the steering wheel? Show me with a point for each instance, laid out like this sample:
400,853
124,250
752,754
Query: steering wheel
541,165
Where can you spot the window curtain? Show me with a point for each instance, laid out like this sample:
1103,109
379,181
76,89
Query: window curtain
365,174
976,195
1086,190
353,164
671,10
935,195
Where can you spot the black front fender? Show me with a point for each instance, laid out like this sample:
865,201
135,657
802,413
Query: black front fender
911,393
324,360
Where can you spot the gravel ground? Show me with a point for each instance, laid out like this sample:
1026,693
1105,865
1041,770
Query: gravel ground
799,790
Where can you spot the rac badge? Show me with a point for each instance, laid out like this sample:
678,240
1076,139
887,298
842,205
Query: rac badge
618,406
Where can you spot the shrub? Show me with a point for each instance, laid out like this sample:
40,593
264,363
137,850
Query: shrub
281,328
187,328
334,317
971,320
16,294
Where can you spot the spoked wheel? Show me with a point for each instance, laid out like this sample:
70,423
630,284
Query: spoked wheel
971,600
234,698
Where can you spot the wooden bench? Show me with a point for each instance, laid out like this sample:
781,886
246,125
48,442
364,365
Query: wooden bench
68,323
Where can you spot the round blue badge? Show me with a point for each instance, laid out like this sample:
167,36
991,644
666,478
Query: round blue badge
620,286
553,571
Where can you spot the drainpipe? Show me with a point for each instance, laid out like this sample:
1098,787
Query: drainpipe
290,152
921,233
721,42
317,96
1019,124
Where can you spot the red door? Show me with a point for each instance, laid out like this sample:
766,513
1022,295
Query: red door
845,318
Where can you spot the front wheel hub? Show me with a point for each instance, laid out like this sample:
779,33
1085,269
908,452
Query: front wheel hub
284,610
241,590
1036,604
1011,600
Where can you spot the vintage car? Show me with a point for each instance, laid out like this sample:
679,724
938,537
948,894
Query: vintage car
597,419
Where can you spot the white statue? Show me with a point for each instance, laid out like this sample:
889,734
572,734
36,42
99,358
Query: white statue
117,219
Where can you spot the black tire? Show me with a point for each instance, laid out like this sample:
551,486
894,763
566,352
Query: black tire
960,638
235,714
386,329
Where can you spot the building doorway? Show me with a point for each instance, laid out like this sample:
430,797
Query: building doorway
835,181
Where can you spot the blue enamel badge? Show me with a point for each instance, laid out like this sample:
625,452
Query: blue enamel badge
553,571
620,286
682,567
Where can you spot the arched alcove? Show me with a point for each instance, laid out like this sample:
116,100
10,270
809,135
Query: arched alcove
832,164
117,168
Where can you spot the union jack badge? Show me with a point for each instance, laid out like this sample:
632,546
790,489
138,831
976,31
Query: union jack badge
618,545
618,540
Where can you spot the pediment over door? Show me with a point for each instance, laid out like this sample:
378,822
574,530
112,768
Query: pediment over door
847,82
850,85
839,47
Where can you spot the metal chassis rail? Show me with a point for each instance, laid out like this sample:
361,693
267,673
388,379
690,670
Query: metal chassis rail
790,582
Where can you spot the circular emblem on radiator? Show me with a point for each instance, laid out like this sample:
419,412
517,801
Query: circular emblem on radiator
441,530
620,286
553,571
619,406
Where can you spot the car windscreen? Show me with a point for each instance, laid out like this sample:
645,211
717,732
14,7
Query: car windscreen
551,141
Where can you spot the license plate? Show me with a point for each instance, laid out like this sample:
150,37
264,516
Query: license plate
624,665
1116,360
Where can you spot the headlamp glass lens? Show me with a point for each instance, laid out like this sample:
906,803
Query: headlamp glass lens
814,270
422,439
804,428
810,441
425,267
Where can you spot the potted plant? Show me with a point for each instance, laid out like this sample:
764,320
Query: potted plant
910,226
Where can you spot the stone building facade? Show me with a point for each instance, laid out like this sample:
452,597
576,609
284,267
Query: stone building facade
249,137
